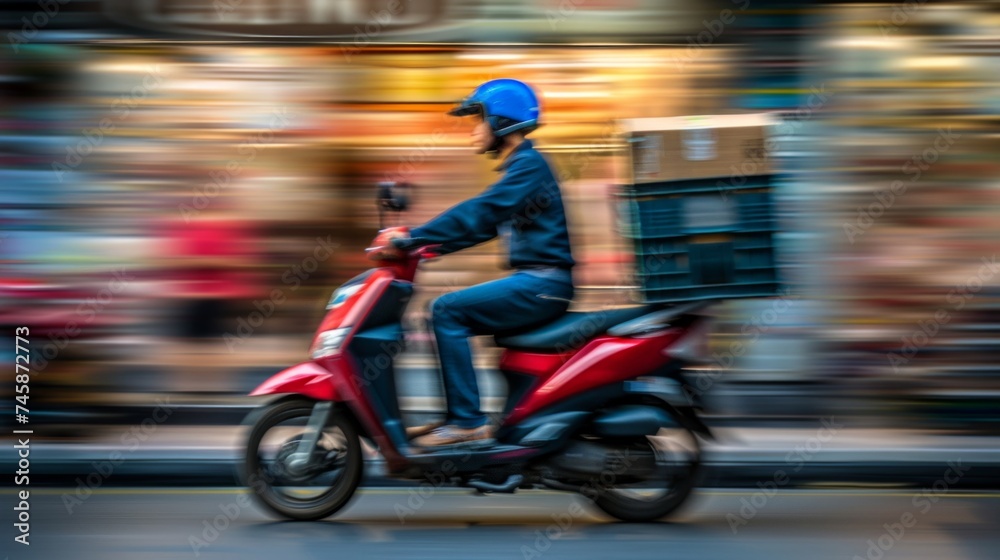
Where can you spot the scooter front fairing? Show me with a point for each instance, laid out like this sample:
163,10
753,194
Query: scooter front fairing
361,325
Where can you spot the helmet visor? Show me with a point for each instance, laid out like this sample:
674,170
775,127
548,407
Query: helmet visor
466,108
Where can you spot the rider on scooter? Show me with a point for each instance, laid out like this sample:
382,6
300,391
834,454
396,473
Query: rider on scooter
525,209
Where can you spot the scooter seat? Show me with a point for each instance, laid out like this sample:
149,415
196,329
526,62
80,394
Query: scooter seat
572,330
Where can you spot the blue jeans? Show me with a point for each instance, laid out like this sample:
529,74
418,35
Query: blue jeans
526,299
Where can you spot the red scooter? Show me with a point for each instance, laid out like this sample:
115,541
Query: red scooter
597,403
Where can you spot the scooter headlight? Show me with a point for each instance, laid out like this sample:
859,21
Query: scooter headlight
329,342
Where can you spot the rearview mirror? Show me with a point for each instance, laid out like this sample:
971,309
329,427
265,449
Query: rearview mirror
393,196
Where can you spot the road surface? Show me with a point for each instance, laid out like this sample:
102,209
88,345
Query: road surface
177,523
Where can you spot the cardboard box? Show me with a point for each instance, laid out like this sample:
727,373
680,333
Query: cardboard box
698,147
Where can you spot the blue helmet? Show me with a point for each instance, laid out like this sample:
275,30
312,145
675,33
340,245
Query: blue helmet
507,105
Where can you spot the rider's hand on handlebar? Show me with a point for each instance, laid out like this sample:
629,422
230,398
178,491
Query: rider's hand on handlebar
383,248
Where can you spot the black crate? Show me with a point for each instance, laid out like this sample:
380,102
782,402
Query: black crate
702,238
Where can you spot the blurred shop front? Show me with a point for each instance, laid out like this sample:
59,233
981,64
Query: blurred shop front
127,122
203,115
138,130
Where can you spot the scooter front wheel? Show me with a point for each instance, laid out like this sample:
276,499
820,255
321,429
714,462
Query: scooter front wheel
281,481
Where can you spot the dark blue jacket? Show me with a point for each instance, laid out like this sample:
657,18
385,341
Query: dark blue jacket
524,208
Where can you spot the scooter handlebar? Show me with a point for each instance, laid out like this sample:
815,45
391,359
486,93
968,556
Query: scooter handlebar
426,252
391,253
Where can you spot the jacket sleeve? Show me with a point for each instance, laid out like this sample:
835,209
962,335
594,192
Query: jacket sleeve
476,220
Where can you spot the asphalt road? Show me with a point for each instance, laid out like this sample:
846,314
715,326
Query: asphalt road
155,524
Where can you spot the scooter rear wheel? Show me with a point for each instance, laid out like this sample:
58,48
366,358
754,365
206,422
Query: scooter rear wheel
302,495
659,495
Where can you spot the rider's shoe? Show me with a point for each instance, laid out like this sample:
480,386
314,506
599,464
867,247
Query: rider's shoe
453,435
415,431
